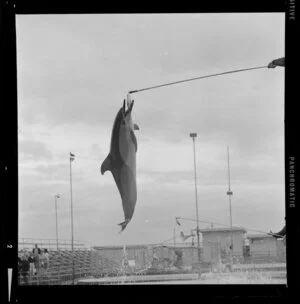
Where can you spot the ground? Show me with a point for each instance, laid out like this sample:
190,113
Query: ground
244,277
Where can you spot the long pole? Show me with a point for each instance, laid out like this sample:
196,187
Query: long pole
230,193
72,236
196,78
193,135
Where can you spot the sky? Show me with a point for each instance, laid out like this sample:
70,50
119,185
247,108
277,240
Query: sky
74,72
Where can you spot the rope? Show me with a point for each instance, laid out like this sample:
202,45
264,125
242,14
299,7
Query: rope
195,78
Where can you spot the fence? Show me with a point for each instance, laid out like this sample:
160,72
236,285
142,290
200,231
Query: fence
67,266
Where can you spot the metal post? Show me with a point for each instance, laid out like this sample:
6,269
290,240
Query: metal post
230,193
56,197
193,135
72,157
174,236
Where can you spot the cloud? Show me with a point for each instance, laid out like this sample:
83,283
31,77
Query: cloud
95,152
33,150
58,173
51,174
73,73
99,75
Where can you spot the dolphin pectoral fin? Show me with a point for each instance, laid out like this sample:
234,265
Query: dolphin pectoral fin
133,138
136,127
106,165
123,225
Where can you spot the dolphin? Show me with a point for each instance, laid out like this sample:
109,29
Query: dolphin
121,160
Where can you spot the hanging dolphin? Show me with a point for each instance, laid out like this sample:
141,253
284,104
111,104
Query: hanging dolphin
121,160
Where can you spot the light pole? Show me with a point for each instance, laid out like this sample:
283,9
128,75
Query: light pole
174,230
56,197
72,157
174,237
193,135
230,193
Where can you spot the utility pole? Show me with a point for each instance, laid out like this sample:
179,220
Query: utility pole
56,197
230,193
193,136
72,157
174,236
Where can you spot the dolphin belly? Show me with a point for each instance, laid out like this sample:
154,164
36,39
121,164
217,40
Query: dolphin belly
125,179
129,193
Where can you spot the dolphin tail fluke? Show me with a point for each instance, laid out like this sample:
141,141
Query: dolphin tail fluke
123,225
106,165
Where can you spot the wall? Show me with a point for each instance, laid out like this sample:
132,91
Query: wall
263,246
216,241
141,255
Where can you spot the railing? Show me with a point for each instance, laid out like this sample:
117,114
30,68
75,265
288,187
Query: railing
61,266
63,277
51,244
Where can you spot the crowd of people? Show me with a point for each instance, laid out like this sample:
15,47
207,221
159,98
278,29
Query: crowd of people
31,263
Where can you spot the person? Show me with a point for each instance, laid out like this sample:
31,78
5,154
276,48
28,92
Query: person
179,261
25,268
279,234
36,258
46,259
277,62
42,260
19,267
31,264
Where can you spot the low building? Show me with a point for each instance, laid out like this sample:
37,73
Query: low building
140,254
265,245
188,253
217,242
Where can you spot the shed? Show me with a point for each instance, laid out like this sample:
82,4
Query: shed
262,244
217,241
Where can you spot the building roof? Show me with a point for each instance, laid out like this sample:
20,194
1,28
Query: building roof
234,229
181,245
258,236
120,247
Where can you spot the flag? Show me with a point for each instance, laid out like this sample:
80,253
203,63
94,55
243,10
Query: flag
177,222
184,237
72,156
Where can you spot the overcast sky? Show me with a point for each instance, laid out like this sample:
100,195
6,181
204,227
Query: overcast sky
74,72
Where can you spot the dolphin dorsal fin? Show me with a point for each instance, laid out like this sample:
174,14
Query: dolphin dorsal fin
106,165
